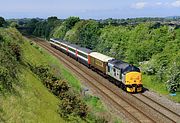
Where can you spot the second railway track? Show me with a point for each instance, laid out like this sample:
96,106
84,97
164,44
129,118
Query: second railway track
126,103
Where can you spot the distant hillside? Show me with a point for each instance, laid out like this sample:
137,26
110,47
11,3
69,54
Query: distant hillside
173,17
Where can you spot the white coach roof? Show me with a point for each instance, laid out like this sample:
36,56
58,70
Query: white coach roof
100,56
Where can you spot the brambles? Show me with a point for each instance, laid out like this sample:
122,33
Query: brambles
71,103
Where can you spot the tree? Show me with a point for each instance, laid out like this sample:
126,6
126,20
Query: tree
31,25
73,34
68,24
14,24
71,21
113,40
53,18
2,21
89,34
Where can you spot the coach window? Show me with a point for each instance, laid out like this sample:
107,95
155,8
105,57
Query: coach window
63,45
82,54
72,50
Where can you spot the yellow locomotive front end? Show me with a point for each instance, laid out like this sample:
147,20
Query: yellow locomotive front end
133,81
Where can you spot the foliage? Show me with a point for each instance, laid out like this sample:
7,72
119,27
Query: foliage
89,34
113,41
2,22
60,31
73,34
31,25
166,65
45,28
145,41
84,33
71,21
72,104
14,25
173,83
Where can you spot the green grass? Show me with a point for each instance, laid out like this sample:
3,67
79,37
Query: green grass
31,103
39,56
152,84
96,103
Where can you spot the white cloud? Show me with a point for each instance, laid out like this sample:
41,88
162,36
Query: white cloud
139,5
176,3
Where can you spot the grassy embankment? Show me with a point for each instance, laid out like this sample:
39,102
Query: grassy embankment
29,100
32,102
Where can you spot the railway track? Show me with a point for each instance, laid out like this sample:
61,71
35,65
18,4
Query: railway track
158,107
129,106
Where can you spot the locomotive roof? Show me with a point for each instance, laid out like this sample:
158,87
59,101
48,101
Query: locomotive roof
118,63
100,56
124,66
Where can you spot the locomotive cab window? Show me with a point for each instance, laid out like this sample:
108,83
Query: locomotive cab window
114,71
120,75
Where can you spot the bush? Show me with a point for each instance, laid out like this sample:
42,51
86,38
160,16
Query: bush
71,104
5,79
16,50
173,83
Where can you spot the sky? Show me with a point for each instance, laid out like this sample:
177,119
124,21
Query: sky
89,9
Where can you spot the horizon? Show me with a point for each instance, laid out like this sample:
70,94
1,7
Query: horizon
84,9
88,18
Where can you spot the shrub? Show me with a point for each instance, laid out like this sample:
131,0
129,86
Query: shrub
72,104
5,79
173,83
